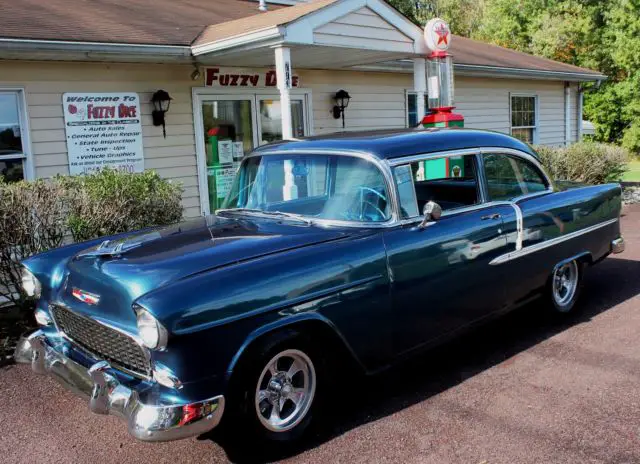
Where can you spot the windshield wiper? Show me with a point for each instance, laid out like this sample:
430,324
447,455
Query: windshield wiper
261,212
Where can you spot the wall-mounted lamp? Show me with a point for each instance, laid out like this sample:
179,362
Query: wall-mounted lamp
342,98
161,102
195,75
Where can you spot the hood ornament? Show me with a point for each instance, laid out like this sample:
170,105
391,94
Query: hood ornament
85,297
120,246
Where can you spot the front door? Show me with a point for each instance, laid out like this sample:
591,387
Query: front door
442,279
229,126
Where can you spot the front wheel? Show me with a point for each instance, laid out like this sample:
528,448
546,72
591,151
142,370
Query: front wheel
277,393
285,391
564,286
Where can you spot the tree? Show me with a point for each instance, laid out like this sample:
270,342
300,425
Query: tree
597,34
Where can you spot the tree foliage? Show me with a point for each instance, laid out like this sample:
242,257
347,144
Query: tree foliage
599,34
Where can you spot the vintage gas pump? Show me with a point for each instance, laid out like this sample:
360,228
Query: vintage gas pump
440,90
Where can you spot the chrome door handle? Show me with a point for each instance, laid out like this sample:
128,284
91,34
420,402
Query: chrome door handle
491,217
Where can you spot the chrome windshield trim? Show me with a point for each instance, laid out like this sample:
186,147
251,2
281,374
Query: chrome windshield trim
549,243
368,156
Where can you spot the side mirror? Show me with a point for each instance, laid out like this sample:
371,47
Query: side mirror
432,212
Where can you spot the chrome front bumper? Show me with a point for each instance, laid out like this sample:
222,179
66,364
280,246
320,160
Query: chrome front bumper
617,245
107,395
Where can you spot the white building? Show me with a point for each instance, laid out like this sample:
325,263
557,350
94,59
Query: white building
365,47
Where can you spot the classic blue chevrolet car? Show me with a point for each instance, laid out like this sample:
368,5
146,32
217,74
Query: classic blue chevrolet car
360,248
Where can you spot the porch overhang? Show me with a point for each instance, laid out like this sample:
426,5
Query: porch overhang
335,35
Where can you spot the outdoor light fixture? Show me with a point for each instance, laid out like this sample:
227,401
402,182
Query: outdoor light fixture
195,75
161,102
342,98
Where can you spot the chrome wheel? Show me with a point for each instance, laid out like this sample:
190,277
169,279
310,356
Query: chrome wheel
565,283
285,390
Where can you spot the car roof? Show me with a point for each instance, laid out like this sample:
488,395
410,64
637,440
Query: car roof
387,144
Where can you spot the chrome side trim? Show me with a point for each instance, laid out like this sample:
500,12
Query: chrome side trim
549,243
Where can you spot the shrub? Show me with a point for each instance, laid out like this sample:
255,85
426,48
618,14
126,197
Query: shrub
588,162
32,220
41,215
112,202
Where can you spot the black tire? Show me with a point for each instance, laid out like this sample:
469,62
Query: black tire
562,298
242,412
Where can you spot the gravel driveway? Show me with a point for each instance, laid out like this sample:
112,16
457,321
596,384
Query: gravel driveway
525,389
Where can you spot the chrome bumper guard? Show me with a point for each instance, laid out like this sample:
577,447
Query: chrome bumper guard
148,422
617,245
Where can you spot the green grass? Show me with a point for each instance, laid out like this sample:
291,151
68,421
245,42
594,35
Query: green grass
633,171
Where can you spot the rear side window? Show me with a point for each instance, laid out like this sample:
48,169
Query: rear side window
510,177
449,181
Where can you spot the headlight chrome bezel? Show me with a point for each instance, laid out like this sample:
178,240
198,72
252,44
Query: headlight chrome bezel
152,333
30,284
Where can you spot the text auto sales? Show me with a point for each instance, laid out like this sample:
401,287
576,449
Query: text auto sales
218,77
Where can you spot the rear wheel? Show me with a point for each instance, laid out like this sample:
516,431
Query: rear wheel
564,286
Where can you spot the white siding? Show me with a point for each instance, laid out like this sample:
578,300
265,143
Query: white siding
377,99
484,103
44,84
378,102
363,29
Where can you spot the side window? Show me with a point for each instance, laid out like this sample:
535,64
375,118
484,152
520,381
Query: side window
449,181
509,177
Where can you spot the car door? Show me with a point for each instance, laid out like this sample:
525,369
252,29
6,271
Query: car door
442,279
518,179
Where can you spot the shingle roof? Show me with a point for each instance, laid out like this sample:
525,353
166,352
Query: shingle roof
197,22
472,52
157,22
255,23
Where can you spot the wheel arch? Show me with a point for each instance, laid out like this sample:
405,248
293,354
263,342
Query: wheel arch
584,257
314,325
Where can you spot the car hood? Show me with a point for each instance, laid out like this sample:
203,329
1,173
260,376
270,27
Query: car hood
151,259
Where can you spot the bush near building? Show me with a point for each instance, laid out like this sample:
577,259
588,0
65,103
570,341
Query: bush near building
45,214
586,162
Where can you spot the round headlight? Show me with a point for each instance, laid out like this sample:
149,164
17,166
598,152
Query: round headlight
151,332
30,284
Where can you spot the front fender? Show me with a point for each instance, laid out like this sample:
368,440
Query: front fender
293,326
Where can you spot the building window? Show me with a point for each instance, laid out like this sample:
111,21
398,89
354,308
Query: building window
524,118
13,147
412,109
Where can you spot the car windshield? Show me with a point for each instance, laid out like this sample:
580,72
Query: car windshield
308,187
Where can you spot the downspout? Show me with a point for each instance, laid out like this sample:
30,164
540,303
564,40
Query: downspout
580,105
567,115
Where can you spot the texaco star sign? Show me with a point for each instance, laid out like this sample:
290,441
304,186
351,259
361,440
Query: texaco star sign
437,35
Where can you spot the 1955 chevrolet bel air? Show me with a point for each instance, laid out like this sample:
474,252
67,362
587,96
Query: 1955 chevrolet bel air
360,248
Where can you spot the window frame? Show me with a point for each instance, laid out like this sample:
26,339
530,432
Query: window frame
535,166
383,167
484,193
407,94
536,109
479,174
25,132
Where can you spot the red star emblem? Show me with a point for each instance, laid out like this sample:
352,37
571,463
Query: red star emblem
443,34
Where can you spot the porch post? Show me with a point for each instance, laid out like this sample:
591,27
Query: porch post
420,85
283,76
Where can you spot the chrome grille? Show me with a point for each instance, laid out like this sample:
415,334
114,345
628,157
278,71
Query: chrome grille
117,348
